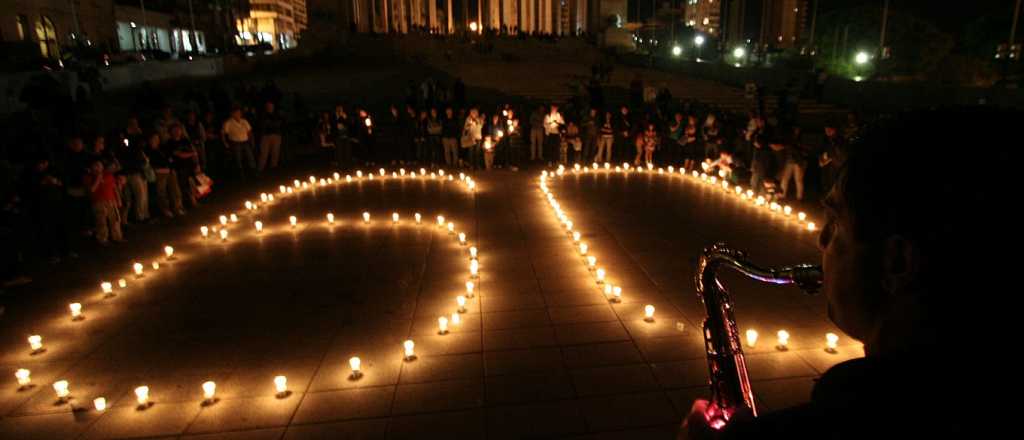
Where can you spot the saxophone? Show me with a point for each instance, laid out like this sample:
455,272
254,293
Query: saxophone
730,385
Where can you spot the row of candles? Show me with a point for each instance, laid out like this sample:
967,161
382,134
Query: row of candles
614,293
712,181
62,387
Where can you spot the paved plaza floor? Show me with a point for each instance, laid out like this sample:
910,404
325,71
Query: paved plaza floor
540,351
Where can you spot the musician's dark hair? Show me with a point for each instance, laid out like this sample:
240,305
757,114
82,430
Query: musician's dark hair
942,180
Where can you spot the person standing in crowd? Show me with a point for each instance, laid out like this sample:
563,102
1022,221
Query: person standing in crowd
712,136
537,134
795,165
185,162
472,134
213,145
168,194
690,146
624,130
553,123
647,143
342,131
102,187
133,160
450,137
43,192
366,137
831,157
196,132
75,162
515,140
572,143
606,139
271,125
675,139
435,128
588,132
761,156
419,138
163,124
237,137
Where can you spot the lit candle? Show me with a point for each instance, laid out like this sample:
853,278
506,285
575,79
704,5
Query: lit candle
296,183
282,189
359,173
270,197
418,218
263,197
739,190
751,338
223,220
568,225
234,218
607,165
348,178
394,174
401,171
409,345
583,249
248,205
472,252
831,342
787,210
204,231
442,325
24,377
305,185
137,267
811,226
169,252
61,388
440,173
259,226
783,340
381,171
801,216
470,287
281,385
649,313
451,228
100,404
366,217
223,235
330,218
122,283
600,275
355,363
293,220
394,217
76,311
576,236
156,265
462,238
290,191
142,395
461,301
440,220
617,294
474,268
209,389
591,262
107,288
312,179
456,319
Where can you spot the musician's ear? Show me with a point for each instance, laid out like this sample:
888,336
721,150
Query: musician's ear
900,265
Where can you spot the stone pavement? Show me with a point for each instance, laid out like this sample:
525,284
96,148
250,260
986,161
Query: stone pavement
539,352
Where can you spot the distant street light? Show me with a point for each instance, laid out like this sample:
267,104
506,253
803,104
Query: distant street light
861,58
472,26
739,52
698,40
676,50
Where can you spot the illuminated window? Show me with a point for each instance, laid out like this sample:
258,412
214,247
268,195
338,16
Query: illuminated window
46,34
706,21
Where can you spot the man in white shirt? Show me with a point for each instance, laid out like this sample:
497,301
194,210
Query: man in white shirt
237,136
553,123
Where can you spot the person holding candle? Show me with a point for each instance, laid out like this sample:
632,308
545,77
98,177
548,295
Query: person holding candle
102,188
606,139
168,194
553,123
901,275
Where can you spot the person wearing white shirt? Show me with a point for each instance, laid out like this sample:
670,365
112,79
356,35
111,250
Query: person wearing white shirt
553,123
237,136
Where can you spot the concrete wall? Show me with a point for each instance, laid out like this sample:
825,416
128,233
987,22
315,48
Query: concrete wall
128,75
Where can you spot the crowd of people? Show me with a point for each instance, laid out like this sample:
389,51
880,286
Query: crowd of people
164,159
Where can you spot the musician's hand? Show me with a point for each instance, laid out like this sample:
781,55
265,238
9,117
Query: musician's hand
695,426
